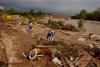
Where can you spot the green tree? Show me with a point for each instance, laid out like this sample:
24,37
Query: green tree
1,10
11,11
89,16
80,23
31,12
39,13
96,14
83,13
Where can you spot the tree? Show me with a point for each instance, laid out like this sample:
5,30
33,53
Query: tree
1,10
31,12
80,23
83,13
89,16
39,13
96,14
11,11
98,9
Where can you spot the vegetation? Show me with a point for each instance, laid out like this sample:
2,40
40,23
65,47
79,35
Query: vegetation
83,14
55,24
1,10
60,25
11,11
95,15
70,27
80,23
31,12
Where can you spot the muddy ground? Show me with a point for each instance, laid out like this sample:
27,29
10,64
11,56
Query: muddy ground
15,39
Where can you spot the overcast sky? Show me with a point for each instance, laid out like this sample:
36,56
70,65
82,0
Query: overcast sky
55,6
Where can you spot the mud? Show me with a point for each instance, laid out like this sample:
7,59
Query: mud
15,39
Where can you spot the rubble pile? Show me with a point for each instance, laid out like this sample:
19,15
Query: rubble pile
74,55
19,49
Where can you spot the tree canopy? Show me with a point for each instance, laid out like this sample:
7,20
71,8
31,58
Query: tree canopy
95,15
83,13
30,12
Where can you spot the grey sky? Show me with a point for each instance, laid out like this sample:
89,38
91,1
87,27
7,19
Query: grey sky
57,6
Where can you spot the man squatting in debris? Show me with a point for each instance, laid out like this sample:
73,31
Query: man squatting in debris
50,35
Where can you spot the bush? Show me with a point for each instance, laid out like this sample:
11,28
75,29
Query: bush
60,25
80,23
95,15
70,27
55,24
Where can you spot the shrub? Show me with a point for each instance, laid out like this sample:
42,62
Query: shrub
70,27
55,24
80,23
60,25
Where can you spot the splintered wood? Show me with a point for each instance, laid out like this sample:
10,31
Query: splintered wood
83,61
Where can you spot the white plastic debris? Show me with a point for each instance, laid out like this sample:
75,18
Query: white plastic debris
81,39
93,36
56,61
91,45
71,59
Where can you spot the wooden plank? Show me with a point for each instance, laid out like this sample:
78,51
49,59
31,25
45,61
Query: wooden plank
84,60
41,46
96,61
69,62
